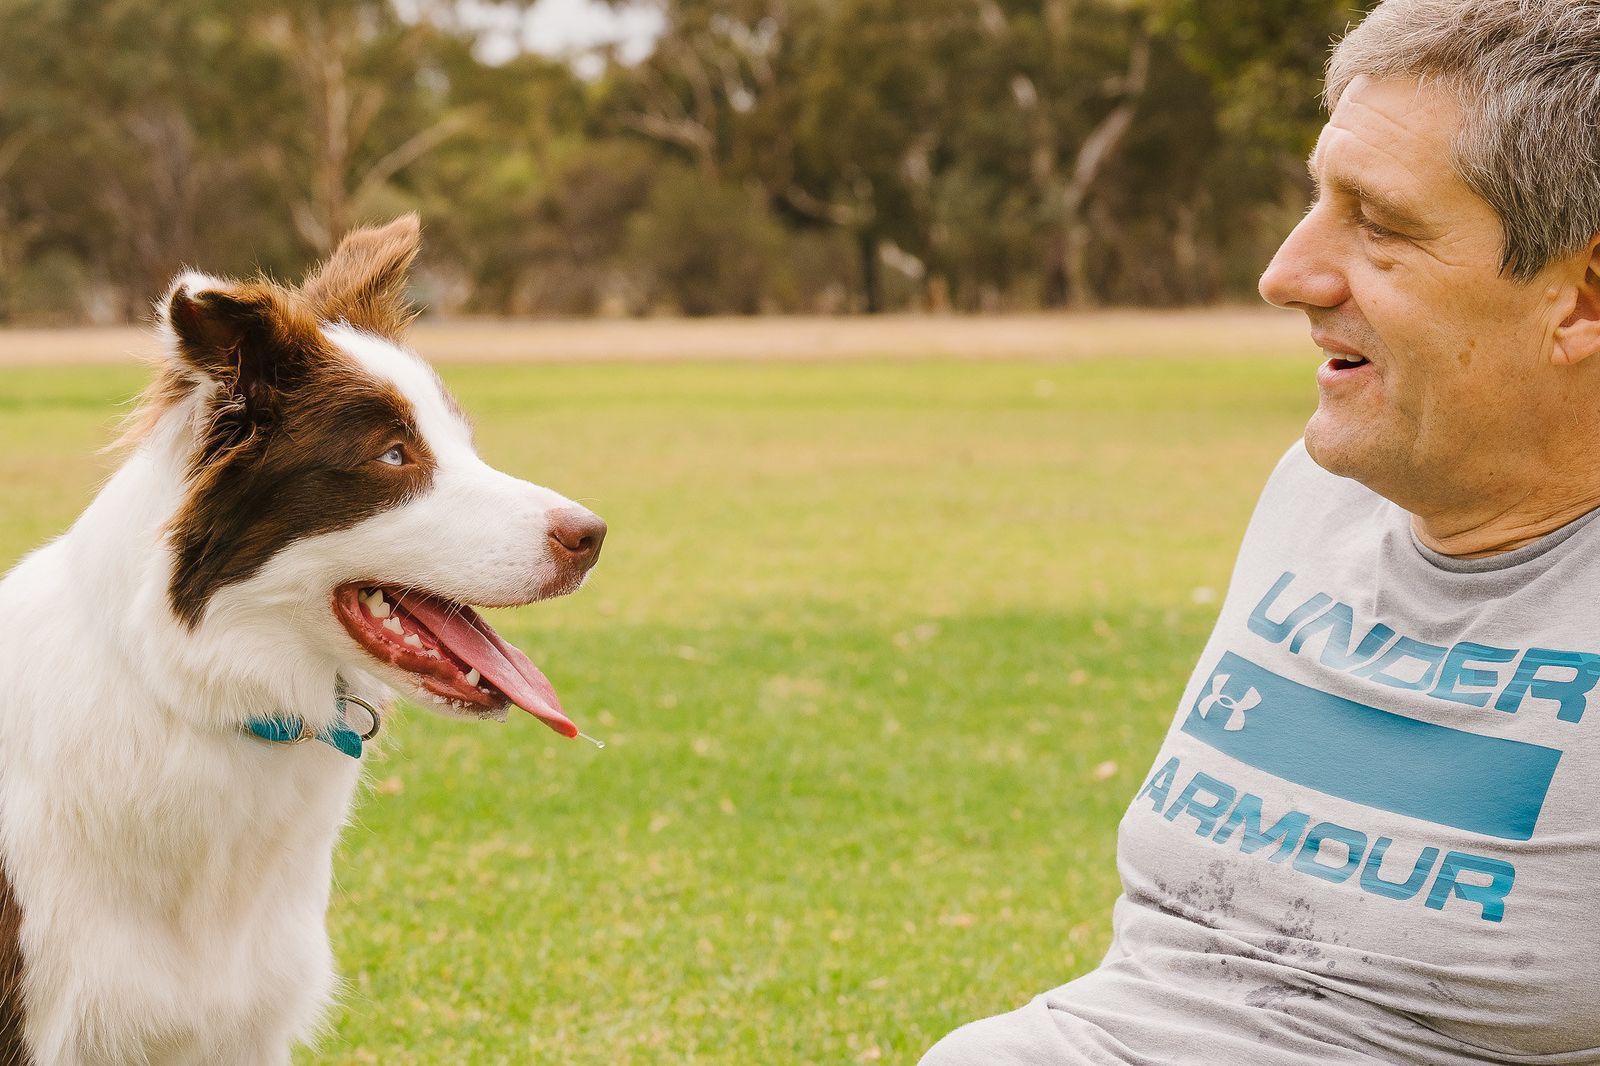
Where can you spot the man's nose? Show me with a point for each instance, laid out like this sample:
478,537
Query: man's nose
576,536
1306,272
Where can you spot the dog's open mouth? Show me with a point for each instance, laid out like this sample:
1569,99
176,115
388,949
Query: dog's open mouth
451,652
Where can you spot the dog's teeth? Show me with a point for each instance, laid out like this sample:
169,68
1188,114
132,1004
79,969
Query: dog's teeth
413,640
393,625
473,677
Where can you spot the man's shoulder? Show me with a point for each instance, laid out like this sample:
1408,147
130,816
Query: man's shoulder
1297,477
1301,498
1296,463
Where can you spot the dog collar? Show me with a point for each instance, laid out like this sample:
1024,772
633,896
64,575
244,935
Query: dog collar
292,729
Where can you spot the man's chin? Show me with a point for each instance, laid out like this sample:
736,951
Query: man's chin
1342,450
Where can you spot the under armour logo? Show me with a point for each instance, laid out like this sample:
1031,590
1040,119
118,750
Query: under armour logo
1237,705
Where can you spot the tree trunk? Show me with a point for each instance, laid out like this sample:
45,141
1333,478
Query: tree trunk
1080,294
867,246
1096,150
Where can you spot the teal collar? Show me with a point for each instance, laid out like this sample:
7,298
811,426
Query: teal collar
292,729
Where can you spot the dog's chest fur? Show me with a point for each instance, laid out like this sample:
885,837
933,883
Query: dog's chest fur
173,880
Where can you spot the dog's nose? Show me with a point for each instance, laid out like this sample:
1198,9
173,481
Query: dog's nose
576,536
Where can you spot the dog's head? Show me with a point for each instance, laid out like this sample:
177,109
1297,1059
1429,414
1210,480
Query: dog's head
332,500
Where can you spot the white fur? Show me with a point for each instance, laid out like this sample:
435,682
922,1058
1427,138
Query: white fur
174,872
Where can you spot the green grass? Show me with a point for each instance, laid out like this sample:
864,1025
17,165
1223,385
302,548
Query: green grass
880,652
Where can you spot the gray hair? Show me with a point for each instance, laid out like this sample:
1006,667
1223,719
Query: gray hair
1527,75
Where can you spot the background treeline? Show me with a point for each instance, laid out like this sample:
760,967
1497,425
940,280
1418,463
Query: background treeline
769,155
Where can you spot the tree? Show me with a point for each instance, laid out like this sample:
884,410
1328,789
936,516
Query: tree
861,154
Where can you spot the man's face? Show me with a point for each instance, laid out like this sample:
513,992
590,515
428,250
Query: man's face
1398,261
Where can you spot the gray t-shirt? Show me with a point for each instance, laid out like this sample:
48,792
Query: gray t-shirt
1372,833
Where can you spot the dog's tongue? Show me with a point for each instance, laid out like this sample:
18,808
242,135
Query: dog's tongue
476,643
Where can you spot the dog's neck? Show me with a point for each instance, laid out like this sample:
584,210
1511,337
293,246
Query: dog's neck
133,725
239,662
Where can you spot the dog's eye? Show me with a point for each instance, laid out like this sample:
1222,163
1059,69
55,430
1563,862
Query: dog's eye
395,456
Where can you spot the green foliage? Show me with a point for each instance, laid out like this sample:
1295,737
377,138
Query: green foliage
708,249
978,154
550,226
1265,59
880,651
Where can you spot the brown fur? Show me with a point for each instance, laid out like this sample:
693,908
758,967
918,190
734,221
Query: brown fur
13,1048
292,433
164,393
291,443
364,281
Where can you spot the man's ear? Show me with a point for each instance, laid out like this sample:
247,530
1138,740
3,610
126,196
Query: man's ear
1578,336
364,281
249,340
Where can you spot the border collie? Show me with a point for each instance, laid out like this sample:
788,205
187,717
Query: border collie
190,671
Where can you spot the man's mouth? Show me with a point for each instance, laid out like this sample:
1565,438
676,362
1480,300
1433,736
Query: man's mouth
1340,356
451,653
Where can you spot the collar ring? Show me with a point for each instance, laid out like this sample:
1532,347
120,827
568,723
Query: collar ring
377,718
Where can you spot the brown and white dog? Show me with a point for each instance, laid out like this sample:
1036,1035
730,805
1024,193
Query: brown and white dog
297,530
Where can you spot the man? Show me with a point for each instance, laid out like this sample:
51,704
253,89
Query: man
1373,832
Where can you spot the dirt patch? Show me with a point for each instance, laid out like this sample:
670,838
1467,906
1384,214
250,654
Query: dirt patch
1240,331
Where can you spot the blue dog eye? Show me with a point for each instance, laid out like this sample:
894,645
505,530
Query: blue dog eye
394,457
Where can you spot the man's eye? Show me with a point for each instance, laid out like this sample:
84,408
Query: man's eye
1373,229
395,456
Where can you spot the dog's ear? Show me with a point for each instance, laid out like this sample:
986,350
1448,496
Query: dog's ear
250,340
364,281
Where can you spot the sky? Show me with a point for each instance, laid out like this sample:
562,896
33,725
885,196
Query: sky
569,28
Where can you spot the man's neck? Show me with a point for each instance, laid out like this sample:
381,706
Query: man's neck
1485,531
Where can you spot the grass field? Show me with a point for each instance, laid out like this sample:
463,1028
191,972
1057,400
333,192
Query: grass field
881,650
